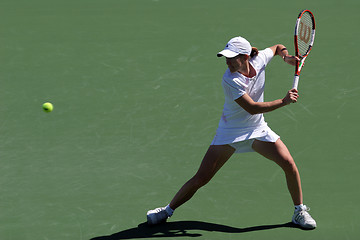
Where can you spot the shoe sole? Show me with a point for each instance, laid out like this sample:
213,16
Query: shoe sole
308,227
151,222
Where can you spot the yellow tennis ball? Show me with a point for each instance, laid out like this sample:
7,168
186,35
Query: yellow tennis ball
48,107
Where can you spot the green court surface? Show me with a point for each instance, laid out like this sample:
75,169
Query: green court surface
136,88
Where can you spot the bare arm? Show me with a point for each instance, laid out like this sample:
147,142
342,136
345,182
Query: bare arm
281,50
253,107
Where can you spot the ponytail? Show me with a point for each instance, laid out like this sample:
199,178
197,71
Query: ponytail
254,52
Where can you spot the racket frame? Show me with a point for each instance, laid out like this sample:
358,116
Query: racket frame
302,58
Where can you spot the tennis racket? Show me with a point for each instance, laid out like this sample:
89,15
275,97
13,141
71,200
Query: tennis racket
304,40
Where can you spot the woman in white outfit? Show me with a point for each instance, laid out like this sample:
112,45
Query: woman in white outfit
242,127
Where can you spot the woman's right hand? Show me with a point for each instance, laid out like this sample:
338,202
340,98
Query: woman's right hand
291,96
292,60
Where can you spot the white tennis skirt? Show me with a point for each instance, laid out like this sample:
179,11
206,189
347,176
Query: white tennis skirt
243,145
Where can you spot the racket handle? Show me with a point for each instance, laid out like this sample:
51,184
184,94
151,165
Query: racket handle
296,81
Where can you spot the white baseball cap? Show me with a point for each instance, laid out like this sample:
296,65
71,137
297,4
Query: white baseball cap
236,46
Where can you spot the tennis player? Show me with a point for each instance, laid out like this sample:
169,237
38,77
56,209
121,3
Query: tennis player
242,127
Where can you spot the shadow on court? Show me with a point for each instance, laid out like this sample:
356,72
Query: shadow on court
181,228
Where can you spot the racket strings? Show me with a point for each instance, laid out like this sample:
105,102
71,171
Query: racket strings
305,33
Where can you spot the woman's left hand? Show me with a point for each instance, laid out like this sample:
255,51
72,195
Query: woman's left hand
291,96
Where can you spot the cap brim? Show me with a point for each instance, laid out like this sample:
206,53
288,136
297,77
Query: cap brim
227,53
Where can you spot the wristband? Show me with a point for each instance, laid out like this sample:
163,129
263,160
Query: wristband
283,50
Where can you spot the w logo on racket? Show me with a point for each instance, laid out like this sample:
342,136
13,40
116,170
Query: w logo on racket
305,32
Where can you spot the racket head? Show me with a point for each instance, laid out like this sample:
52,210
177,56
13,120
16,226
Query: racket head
304,33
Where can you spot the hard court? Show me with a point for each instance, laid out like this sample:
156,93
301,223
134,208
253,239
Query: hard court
136,89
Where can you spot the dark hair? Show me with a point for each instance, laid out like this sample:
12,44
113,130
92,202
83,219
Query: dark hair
254,52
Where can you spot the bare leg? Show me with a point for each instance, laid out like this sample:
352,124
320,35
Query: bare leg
279,153
214,159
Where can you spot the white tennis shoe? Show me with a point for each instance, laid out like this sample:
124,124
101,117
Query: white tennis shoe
302,217
156,216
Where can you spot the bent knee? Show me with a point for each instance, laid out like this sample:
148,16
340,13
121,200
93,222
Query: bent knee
288,165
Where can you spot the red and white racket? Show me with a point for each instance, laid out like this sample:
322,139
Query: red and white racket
304,40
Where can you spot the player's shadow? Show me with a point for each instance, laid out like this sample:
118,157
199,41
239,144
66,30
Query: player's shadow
182,228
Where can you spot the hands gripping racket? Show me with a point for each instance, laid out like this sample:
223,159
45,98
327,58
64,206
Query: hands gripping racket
304,40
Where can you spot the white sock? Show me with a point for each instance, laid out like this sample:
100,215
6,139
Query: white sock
299,207
169,210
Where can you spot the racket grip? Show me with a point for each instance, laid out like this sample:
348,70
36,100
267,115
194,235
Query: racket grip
296,81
